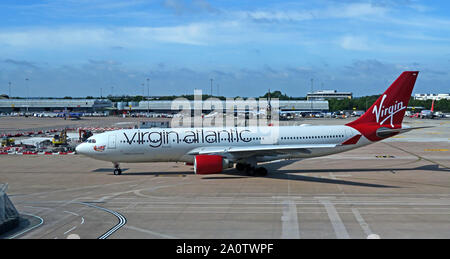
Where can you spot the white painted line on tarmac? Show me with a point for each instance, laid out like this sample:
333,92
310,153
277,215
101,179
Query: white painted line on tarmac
122,219
364,225
73,213
373,236
289,220
150,232
78,189
73,236
336,222
69,230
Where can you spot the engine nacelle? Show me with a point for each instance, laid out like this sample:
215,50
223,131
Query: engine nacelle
210,164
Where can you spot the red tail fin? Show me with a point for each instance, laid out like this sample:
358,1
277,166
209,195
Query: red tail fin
388,111
432,106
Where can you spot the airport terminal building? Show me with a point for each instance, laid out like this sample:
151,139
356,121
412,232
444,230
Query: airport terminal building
52,105
208,105
436,97
329,94
100,105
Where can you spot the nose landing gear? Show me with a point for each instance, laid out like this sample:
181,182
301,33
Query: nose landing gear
117,170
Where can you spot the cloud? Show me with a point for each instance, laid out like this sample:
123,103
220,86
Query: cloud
176,5
192,34
205,5
361,76
351,42
276,16
341,11
103,64
358,10
405,4
181,7
371,68
199,34
434,72
20,63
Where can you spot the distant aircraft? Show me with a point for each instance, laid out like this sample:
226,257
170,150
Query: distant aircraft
212,150
428,114
75,115
71,115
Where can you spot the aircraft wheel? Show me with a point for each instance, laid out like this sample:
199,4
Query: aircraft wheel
250,171
261,171
240,167
117,170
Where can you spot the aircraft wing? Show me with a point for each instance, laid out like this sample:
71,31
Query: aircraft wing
265,150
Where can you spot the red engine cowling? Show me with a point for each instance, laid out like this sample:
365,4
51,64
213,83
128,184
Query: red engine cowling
209,164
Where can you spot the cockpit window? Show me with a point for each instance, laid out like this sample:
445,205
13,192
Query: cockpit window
91,140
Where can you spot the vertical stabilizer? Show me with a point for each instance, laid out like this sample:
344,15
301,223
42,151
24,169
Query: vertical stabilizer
389,109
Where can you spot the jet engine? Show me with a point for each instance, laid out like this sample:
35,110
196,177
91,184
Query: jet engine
210,164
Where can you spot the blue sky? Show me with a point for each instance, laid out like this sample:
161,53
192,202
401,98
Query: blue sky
81,47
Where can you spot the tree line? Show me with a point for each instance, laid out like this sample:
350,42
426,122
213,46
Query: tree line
363,103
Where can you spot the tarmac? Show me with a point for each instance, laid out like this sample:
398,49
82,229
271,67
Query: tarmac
397,188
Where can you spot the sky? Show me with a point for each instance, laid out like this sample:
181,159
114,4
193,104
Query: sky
100,47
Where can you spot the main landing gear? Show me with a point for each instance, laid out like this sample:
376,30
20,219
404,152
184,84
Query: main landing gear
251,170
117,170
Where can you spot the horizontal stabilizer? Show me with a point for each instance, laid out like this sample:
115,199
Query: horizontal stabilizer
385,132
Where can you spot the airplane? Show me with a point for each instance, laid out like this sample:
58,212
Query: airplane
429,114
71,115
213,150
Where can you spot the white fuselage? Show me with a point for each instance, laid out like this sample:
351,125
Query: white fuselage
174,144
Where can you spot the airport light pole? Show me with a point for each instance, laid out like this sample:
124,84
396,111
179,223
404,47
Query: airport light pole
148,95
211,85
9,88
28,93
312,81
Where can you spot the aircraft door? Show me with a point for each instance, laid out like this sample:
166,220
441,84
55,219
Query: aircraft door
270,137
112,141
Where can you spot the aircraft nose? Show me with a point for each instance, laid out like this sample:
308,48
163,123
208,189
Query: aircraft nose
81,149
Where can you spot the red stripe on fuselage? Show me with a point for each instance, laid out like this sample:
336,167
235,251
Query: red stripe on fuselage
353,140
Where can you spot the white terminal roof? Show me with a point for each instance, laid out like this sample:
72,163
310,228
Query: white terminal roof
239,104
55,103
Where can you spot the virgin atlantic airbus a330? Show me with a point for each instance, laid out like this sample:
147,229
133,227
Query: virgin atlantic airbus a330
212,150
